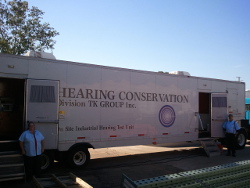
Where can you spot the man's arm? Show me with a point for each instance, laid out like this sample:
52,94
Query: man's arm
237,128
224,126
22,147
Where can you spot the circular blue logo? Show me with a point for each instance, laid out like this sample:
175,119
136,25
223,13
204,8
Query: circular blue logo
167,116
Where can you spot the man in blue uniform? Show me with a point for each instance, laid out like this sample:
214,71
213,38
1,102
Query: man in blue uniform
32,146
231,128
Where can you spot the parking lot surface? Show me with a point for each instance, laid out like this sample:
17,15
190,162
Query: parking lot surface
139,162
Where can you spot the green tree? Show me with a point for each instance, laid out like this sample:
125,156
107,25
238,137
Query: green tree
21,28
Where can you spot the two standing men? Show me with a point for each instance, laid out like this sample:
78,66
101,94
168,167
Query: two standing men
231,128
32,146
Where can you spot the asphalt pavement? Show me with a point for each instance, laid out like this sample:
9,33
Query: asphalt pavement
139,162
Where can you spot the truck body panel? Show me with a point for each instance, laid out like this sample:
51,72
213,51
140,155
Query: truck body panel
107,106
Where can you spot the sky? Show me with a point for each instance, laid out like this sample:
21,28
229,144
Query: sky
207,38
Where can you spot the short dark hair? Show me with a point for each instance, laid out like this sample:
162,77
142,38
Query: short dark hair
30,122
230,115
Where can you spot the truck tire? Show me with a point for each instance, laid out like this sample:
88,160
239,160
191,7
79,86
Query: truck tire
78,157
241,139
47,161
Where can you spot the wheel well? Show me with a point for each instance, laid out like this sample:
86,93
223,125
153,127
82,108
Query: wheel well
83,144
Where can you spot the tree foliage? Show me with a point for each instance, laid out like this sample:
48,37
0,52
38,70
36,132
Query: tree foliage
21,28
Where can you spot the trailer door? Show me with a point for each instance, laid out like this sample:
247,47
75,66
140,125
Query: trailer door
42,108
218,113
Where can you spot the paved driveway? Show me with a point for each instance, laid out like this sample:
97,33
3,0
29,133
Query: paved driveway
139,162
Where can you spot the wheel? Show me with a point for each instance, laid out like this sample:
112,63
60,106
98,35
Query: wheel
78,157
241,139
47,161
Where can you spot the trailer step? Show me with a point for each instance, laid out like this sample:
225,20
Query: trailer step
11,166
8,158
9,145
9,152
211,148
9,177
8,141
54,181
12,178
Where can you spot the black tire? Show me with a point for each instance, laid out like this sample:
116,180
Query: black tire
47,161
241,138
78,157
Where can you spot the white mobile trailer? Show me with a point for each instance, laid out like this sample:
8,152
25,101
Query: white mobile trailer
79,106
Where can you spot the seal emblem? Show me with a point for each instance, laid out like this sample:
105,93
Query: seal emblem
167,116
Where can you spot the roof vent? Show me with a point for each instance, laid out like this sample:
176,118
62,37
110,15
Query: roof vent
183,73
45,55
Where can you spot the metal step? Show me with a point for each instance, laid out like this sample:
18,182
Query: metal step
6,169
8,141
11,158
9,145
8,177
11,166
13,178
9,152
12,172
211,148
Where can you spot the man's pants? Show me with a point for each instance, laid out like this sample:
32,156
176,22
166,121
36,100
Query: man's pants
32,166
231,142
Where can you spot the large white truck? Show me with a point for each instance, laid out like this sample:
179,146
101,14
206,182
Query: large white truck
78,106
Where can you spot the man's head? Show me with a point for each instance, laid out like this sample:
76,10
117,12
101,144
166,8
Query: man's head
230,117
31,126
